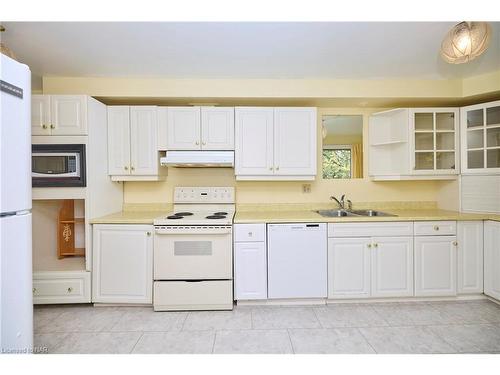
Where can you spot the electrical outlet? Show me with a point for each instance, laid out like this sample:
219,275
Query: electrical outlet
306,188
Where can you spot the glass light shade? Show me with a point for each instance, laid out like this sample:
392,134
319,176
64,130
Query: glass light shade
465,42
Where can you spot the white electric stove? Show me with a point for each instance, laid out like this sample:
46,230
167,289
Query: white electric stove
193,253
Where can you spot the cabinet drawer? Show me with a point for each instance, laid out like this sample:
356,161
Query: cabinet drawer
249,232
199,295
59,287
370,229
435,228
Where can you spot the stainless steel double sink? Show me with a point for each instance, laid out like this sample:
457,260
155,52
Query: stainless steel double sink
352,213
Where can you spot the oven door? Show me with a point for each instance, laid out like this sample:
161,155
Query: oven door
193,253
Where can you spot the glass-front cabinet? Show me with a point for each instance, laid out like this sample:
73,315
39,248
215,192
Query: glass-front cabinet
434,141
480,140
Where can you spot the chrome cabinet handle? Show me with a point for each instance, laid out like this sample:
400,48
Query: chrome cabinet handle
34,290
250,234
44,126
148,233
203,143
455,243
277,168
369,245
375,245
132,168
126,168
70,289
271,168
52,126
436,227
197,143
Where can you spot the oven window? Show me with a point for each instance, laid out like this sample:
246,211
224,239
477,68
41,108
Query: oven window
192,248
53,164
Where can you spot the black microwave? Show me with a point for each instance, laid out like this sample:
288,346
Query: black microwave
58,165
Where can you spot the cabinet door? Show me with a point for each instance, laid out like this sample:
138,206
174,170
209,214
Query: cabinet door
118,140
143,135
250,270
492,259
183,128
392,267
435,266
40,115
122,263
69,114
480,138
434,140
349,267
217,128
162,113
295,141
470,257
254,141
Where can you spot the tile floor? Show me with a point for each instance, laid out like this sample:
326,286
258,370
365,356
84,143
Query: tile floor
417,327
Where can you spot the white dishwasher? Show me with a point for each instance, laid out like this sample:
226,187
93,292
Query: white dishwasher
297,260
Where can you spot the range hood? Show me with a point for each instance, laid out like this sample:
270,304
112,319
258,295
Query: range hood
198,159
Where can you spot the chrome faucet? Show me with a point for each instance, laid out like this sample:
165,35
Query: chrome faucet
342,202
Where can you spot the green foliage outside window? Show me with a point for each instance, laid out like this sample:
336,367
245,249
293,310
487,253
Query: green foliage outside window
336,163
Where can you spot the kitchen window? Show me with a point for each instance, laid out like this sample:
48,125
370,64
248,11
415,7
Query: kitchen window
337,161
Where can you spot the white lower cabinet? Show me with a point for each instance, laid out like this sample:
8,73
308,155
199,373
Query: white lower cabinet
392,267
54,287
250,269
370,267
435,266
470,257
492,259
122,269
348,267
250,262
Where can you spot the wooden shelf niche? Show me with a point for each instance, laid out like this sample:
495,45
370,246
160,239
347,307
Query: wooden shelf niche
69,230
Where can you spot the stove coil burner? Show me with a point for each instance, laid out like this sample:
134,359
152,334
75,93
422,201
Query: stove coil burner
215,217
174,217
183,214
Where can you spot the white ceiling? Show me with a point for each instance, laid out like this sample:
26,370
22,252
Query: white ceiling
337,50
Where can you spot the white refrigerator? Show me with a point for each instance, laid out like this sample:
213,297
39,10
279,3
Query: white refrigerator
16,300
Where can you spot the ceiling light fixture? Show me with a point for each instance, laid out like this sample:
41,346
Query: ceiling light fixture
465,41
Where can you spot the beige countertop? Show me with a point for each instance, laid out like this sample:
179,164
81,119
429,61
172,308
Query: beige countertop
285,213
311,216
134,214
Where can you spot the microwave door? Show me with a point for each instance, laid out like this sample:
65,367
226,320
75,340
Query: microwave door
55,165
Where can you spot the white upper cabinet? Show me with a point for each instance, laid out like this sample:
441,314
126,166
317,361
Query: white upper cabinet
143,132
480,138
132,143
59,115
275,143
295,141
434,142
414,143
197,128
40,115
217,128
118,140
183,126
254,142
